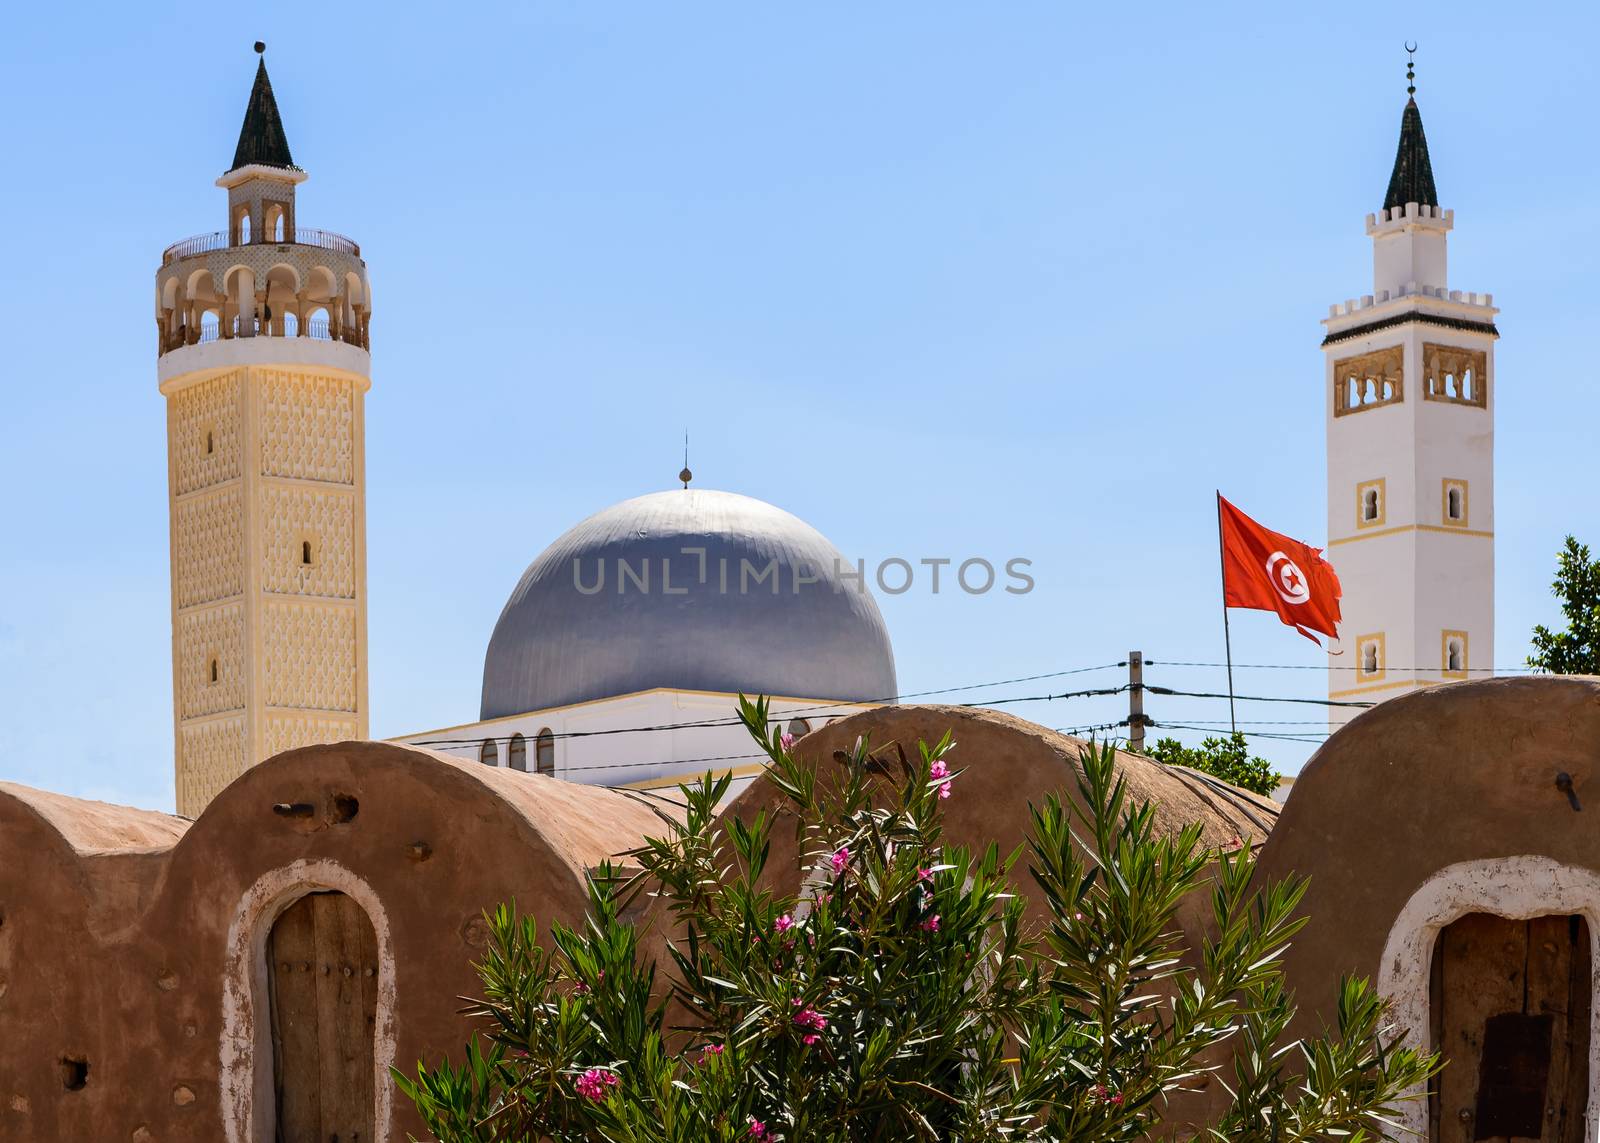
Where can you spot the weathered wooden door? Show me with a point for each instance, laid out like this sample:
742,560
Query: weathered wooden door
322,961
1510,1004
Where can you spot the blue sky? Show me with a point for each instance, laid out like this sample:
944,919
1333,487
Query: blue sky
942,279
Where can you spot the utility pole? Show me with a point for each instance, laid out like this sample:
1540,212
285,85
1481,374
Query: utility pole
1136,701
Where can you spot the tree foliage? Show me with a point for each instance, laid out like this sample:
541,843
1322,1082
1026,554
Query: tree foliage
1575,651
901,994
1226,758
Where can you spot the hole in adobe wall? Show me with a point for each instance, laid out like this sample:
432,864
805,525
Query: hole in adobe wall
345,808
74,1073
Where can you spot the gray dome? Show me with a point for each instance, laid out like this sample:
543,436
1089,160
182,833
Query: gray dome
594,616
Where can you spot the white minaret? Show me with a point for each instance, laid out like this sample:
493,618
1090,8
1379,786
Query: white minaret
262,337
1410,409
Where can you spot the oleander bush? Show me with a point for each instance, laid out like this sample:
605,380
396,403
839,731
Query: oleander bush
901,994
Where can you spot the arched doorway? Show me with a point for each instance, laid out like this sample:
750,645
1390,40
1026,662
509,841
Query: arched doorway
322,972
1510,1006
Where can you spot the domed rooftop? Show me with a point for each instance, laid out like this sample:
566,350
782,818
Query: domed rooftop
689,589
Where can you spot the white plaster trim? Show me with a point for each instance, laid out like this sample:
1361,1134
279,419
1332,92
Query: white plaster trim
1517,888
187,365
248,1102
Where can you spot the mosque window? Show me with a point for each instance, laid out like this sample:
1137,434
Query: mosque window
799,727
544,753
213,670
517,753
1369,381
1371,503
1455,503
211,442
306,553
1454,654
1369,657
489,753
1456,376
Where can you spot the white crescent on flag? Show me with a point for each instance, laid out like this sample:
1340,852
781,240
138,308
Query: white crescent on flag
1287,579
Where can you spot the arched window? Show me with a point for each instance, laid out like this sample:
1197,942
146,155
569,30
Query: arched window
1369,505
1452,660
517,753
1369,659
799,727
305,552
489,753
211,442
1453,503
214,669
544,753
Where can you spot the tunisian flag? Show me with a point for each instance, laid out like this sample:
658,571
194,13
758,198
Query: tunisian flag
1270,572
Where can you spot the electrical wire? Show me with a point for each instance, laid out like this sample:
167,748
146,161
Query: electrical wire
1335,667
733,720
1151,689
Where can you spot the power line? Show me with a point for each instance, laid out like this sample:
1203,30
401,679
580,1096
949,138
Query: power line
1251,698
733,720
1336,667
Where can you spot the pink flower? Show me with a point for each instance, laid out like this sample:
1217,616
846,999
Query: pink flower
841,858
786,740
596,1083
581,988
1235,842
940,773
783,924
1106,1095
924,875
809,1019
758,1129
930,924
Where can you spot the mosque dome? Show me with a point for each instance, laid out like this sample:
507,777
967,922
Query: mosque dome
689,589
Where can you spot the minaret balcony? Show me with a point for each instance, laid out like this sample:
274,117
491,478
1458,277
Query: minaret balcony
319,329
223,240
311,286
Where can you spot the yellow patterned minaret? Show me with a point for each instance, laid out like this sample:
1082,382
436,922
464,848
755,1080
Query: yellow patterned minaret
263,359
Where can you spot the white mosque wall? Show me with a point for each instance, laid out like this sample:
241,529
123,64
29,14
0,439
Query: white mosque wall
647,740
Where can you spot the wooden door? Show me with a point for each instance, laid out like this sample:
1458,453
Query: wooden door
322,959
1510,1005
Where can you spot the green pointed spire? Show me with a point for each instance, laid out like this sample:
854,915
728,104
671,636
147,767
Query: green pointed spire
261,139
1412,180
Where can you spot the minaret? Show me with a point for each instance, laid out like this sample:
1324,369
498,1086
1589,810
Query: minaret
262,342
1410,411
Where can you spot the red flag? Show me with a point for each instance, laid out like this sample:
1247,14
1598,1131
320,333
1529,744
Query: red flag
1270,572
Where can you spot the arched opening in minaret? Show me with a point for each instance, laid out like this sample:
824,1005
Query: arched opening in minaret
1369,505
1454,656
517,753
241,226
272,229
1453,504
1371,656
283,299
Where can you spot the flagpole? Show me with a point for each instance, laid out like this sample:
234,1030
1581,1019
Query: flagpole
1227,637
